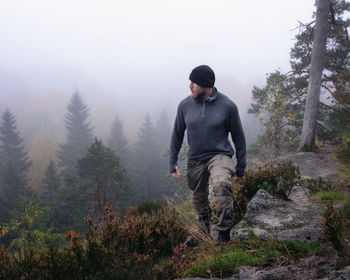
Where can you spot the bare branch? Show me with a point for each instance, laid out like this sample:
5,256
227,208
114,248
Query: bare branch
329,107
328,89
303,25
320,124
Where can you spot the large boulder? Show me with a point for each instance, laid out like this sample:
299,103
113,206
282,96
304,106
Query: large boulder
268,217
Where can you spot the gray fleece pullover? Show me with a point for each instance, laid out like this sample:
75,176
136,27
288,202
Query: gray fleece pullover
208,122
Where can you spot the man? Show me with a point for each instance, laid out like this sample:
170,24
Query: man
209,116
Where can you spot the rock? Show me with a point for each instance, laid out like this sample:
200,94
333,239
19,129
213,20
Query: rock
343,274
314,267
313,165
268,217
311,268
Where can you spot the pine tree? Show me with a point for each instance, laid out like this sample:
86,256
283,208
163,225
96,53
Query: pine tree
278,110
79,133
51,182
118,143
14,165
307,141
333,116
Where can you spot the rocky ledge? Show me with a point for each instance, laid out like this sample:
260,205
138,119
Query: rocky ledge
297,219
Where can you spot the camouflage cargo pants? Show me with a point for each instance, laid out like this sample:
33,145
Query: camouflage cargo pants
220,169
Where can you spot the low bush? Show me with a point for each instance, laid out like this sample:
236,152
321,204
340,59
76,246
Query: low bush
346,209
332,226
146,207
276,180
131,247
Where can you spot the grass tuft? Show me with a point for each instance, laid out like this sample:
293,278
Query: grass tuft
223,261
330,195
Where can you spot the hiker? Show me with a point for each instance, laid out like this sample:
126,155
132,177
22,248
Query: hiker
209,116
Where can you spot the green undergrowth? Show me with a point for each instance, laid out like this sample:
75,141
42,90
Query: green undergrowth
330,195
342,156
335,201
186,210
326,191
222,261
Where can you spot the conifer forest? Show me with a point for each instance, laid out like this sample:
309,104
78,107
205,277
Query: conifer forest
85,188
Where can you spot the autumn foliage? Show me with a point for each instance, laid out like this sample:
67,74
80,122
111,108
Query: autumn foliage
129,247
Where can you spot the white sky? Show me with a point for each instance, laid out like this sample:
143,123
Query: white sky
142,51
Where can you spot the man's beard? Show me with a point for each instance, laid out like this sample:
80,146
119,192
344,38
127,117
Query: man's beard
200,95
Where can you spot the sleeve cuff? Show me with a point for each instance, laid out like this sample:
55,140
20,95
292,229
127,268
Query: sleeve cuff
172,166
240,172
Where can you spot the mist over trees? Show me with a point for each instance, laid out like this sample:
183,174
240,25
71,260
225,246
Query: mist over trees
118,143
51,182
54,171
146,164
79,176
79,133
14,164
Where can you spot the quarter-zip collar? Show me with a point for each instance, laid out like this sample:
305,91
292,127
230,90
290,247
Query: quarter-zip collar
210,98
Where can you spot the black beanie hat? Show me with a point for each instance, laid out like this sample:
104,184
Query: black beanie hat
203,76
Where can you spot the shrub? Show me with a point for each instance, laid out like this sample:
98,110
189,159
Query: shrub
346,209
276,180
146,207
331,226
114,248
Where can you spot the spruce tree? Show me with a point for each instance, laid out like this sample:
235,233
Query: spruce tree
79,133
13,167
146,162
51,182
163,133
118,143
103,178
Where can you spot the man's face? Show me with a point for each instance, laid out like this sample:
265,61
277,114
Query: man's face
197,92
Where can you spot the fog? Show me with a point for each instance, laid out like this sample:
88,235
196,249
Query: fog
133,57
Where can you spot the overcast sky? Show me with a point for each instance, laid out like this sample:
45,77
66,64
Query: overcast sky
141,52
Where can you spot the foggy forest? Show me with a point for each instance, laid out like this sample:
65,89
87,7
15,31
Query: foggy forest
89,94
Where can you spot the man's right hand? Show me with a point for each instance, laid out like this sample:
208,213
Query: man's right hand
177,174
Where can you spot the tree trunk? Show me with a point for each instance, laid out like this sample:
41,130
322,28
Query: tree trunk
317,61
